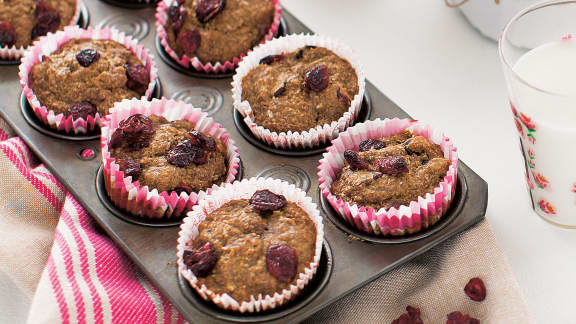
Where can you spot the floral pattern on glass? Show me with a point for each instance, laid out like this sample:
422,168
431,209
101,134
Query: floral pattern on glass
546,207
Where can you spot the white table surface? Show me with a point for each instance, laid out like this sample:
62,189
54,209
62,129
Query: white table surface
430,61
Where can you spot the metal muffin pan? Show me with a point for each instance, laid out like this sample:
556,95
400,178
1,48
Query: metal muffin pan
344,267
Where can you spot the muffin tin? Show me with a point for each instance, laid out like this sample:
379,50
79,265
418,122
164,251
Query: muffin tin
350,259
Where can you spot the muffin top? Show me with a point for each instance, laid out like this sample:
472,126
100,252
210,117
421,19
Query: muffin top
300,90
391,171
217,30
168,155
86,76
23,21
252,246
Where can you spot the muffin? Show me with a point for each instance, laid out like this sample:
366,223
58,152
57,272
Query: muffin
72,78
298,91
23,21
252,245
390,177
160,156
213,35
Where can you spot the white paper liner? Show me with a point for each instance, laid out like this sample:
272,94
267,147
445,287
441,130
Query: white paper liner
244,190
148,202
14,53
314,136
52,42
419,214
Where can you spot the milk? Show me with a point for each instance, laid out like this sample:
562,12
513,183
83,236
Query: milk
544,96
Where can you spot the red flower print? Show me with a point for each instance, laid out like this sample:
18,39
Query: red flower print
532,164
527,121
531,139
540,180
531,153
519,127
574,188
546,207
529,182
514,111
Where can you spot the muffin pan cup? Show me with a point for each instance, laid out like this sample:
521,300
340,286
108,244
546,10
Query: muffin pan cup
347,264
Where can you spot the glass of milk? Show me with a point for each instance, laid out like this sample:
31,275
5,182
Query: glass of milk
538,53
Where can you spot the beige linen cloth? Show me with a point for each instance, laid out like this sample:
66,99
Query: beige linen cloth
29,224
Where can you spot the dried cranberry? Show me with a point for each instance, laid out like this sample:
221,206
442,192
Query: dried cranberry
342,97
177,15
46,22
202,260
82,110
130,167
87,56
202,140
355,161
41,7
138,77
185,153
475,289
392,165
282,262
369,144
459,318
189,41
317,78
7,34
271,59
136,131
280,91
208,9
411,317
266,200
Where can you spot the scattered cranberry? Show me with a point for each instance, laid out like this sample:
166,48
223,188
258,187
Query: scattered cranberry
87,154
42,7
130,167
177,15
280,91
411,317
208,9
138,77
136,131
202,260
475,289
185,153
7,34
203,141
189,41
355,161
342,97
317,78
82,110
392,165
271,59
458,318
266,200
282,262
46,22
87,56
369,144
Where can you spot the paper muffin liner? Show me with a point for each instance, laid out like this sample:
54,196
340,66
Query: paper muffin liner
420,213
321,133
14,53
244,190
186,61
52,42
147,202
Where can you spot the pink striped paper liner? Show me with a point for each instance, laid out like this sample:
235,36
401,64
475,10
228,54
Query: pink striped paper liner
186,61
315,136
244,190
52,42
148,202
14,53
420,213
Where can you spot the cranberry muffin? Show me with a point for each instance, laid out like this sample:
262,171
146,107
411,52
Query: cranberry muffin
101,72
252,249
391,171
300,90
168,156
217,30
23,21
